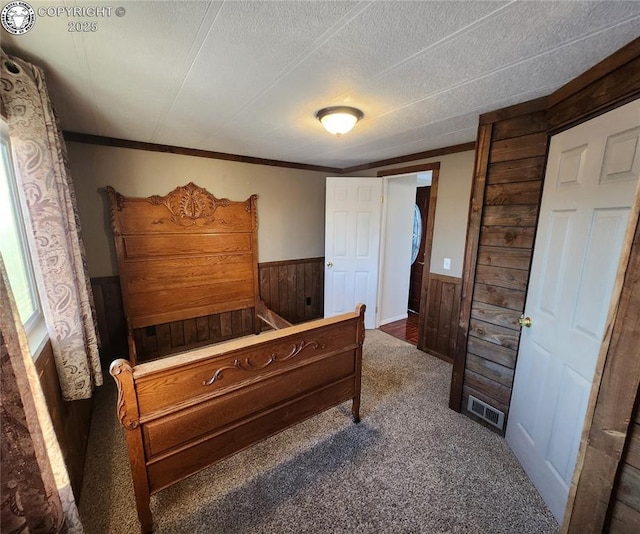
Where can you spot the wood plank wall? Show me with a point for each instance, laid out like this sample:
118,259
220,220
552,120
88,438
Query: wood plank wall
442,309
509,214
167,338
294,289
112,326
625,505
71,420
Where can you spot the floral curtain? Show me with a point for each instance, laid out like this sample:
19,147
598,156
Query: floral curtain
40,155
36,494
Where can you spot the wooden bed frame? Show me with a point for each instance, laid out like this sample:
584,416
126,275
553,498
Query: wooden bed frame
189,258
188,265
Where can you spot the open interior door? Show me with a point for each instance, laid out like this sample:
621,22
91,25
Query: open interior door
352,245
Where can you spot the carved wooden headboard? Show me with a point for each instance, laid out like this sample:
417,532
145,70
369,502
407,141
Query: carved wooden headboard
186,256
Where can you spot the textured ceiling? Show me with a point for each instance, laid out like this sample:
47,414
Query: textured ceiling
248,77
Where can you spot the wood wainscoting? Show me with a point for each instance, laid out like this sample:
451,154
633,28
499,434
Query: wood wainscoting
71,419
442,310
294,289
112,326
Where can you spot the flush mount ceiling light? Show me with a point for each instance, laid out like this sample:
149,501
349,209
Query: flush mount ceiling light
339,120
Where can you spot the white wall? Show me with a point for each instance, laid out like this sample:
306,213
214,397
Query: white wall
395,271
290,201
452,209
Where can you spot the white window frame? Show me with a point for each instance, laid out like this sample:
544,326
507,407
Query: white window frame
35,325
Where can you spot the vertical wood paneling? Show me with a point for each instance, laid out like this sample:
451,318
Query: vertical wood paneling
442,309
112,326
71,419
293,289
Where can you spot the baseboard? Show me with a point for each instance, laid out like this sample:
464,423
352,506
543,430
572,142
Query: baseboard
393,319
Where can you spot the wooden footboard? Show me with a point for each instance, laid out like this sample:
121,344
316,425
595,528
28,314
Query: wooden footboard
188,411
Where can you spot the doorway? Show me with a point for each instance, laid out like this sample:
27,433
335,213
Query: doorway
413,328
421,215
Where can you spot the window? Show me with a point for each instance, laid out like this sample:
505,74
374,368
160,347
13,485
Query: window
417,233
15,250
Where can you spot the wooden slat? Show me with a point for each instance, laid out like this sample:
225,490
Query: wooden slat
455,314
520,126
274,287
626,54
621,85
177,333
317,281
495,334
291,289
283,297
517,110
300,293
629,487
444,324
513,258
511,299
163,336
495,315
507,236
624,519
226,329
190,331
520,170
236,323
490,387
514,193
510,216
433,316
494,371
247,321
492,352
214,327
202,328
502,277
527,146
632,456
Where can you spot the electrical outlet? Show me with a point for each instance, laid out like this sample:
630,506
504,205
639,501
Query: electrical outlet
447,264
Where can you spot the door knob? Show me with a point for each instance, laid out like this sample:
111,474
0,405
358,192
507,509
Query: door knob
329,264
524,321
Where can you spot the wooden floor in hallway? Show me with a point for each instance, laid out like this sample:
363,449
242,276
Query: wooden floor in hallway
405,329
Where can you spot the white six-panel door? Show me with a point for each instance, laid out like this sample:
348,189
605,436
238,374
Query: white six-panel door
352,245
591,178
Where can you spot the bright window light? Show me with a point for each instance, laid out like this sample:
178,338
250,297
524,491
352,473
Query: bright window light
15,250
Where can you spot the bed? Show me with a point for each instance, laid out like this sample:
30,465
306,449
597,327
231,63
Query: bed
203,380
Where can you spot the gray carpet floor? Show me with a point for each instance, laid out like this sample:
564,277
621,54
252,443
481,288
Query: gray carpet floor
412,465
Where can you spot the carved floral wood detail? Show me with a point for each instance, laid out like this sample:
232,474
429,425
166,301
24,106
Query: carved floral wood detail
248,365
118,367
188,204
